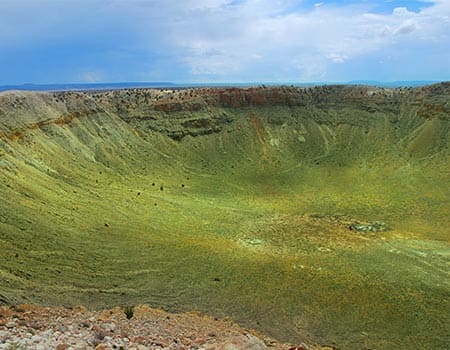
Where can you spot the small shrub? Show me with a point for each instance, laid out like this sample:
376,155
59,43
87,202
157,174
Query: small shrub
129,312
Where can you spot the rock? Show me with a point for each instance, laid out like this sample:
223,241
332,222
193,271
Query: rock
138,340
84,324
243,342
302,346
35,339
376,226
161,343
253,241
109,327
22,322
80,309
3,334
152,329
35,325
199,341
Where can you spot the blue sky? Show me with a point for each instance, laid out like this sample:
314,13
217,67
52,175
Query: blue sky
182,41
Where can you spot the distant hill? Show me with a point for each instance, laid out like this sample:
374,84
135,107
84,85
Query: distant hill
394,84
129,85
84,86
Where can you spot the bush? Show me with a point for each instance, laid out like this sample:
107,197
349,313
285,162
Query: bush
129,311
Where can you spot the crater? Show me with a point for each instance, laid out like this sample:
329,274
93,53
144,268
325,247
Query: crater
323,210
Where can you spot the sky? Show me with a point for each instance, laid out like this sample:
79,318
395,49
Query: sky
223,41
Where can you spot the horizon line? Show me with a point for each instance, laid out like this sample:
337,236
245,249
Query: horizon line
163,84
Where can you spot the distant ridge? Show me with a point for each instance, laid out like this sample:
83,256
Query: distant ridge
85,86
394,84
130,85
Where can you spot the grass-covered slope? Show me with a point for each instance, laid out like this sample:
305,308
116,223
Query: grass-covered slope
235,202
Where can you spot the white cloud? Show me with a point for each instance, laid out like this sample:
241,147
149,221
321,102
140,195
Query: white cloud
226,40
402,12
318,38
337,58
308,68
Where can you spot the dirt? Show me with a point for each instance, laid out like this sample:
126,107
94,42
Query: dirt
37,327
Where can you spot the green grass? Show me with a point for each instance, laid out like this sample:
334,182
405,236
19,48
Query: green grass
84,221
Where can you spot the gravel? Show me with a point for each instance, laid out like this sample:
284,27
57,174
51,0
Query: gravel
41,328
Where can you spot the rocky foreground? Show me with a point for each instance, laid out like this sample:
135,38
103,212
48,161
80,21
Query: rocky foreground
41,328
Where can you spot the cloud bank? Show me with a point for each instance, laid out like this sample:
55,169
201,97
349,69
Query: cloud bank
223,40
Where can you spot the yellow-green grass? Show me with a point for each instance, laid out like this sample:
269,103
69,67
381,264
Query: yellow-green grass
235,225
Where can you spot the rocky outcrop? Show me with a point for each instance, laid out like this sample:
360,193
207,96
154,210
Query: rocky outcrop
36,327
203,111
